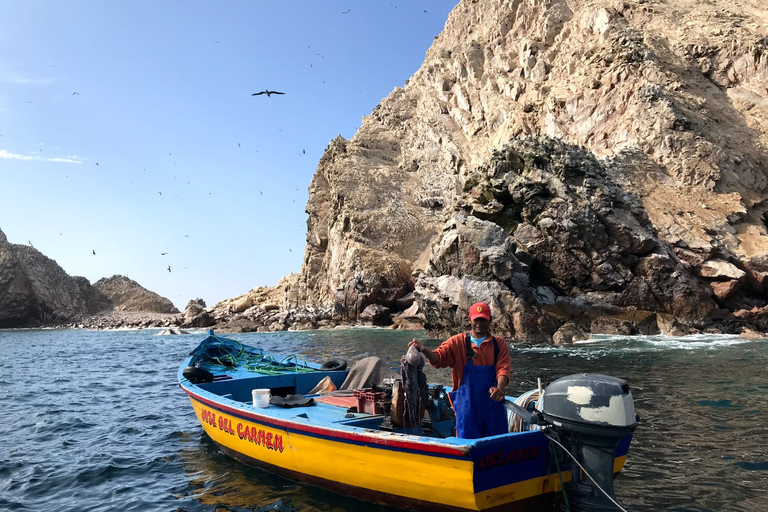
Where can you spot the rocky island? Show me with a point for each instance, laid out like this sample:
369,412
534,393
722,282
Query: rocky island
584,167
36,292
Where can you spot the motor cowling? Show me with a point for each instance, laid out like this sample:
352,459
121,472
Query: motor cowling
592,413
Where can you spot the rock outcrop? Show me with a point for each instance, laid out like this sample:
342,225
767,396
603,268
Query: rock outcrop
127,295
262,309
196,314
598,166
35,291
549,240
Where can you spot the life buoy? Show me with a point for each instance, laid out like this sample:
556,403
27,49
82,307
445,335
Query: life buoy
334,365
197,375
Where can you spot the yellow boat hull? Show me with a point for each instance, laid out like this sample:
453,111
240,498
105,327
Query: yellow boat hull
383,467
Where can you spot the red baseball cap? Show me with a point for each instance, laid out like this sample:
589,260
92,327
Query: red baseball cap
479,310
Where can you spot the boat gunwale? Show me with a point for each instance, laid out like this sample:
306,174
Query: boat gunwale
363,437
456,448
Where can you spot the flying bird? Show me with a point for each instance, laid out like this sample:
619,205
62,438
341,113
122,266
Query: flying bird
169,268
75,93
94,252
163,253
267,92
345,12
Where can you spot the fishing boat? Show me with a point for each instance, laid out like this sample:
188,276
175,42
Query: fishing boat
298,419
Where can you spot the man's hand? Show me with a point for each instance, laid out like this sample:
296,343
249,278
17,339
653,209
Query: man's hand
497,394
417,345
431,356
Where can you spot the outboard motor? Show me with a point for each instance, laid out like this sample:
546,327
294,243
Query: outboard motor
592,413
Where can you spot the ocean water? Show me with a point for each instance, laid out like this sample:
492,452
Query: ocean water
95,420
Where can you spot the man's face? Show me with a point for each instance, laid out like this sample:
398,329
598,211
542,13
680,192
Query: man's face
480,327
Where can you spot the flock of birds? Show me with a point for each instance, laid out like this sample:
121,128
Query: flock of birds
266,92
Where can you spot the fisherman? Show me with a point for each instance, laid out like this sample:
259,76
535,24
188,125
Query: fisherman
480,370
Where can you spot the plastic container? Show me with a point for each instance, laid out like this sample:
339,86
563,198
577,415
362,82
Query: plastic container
369,401
261,397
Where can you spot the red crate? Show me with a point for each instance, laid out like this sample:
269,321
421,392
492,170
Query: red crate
369,401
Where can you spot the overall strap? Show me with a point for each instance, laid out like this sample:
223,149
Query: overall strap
471,353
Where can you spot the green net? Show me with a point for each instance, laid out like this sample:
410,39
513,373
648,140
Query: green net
218,353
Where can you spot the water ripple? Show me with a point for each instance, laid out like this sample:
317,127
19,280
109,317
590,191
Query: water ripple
108,428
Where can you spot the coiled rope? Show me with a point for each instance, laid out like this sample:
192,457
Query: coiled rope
517,424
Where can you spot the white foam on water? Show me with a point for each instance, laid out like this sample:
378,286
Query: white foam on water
601,344
588,342
696,341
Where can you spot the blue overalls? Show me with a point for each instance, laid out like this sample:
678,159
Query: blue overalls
477,414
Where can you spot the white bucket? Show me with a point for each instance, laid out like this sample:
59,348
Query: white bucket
261,397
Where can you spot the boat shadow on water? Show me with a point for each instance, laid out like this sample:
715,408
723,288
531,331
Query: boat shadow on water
220,482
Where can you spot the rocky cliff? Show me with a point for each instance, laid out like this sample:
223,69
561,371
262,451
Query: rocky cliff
585,166
35,291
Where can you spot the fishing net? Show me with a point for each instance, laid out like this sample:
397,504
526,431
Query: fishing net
217,352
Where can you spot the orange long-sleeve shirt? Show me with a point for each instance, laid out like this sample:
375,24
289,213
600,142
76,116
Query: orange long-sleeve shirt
452,353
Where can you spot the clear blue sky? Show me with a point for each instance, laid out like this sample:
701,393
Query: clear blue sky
128,128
